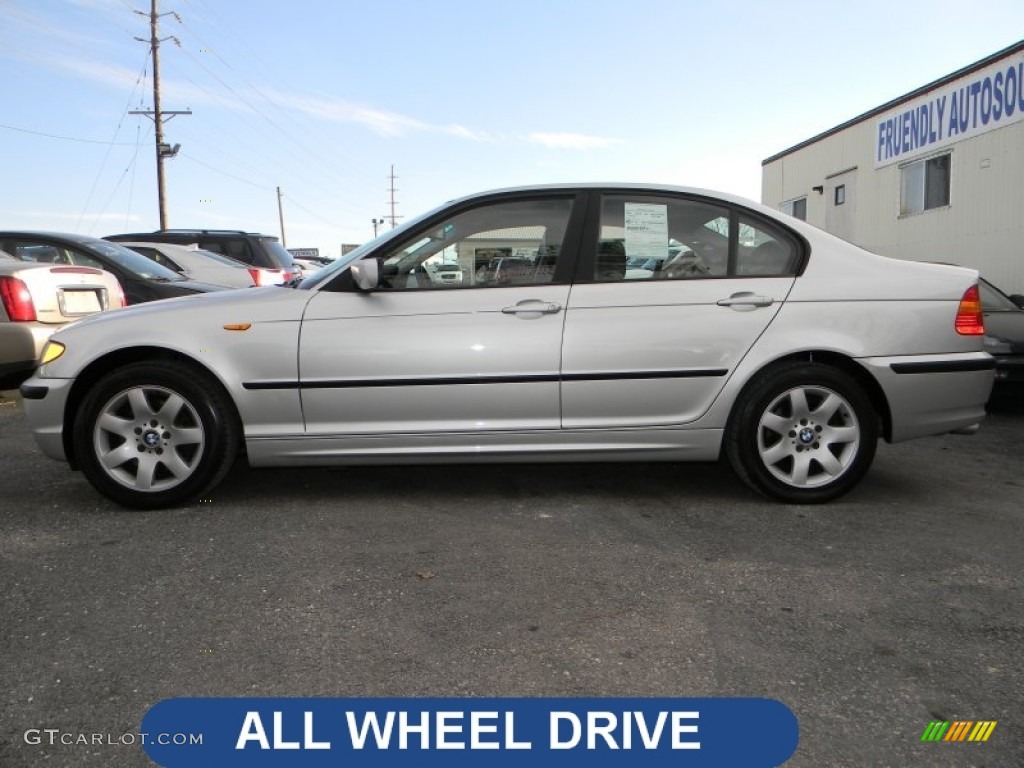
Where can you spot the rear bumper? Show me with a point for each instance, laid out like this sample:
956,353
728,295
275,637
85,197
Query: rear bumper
20,346
934,394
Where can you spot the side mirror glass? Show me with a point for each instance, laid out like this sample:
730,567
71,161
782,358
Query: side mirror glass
366,275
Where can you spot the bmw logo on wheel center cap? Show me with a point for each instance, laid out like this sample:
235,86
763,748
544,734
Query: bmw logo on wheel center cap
806,435
151,438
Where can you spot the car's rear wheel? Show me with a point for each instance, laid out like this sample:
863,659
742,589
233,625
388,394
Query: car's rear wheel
155,434
803,433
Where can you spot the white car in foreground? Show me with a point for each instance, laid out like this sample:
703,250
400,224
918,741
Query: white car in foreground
776,345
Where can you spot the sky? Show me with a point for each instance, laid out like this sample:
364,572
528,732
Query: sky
323,98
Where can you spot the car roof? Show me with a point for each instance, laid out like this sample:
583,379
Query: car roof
613,186
190,232
70,237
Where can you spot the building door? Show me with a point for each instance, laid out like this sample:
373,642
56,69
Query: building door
841,204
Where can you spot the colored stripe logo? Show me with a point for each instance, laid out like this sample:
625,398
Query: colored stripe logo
958,730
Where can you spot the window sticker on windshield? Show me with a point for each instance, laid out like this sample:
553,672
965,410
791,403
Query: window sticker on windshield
646,230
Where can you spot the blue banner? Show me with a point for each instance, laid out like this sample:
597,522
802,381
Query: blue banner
457,733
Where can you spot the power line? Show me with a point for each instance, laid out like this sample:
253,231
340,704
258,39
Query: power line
314,215
110,145
348,174
67,138
223,172
163,150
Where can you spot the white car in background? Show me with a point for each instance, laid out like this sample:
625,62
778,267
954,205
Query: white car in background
198,264
38,299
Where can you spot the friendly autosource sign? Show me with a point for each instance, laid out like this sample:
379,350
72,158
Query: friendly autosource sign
979,102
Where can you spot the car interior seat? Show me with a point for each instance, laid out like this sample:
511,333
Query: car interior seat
611,261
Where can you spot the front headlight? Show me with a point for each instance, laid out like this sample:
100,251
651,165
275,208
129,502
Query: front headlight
51,352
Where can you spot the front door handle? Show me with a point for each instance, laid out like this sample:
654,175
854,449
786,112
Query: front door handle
746,300
532,307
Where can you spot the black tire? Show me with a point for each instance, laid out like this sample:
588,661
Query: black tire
802,433
155,434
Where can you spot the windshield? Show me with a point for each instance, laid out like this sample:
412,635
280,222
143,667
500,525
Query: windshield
280,253
131,261
994,300
220,258
322,276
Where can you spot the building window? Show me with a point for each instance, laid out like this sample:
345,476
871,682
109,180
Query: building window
796,208
840,194
924,185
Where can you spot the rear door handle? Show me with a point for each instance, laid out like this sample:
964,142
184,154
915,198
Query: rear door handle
532,307
746,299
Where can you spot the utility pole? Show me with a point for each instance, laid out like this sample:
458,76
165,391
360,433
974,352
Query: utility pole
280,215
393,217
157,114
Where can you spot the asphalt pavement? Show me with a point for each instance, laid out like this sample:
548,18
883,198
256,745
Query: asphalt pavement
869,617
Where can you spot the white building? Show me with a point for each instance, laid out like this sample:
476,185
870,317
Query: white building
936,175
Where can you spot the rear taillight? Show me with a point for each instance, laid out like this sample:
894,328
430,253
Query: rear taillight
263,276
970,318
17,300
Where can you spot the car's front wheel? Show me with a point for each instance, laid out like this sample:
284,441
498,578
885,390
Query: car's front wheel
803,433
155,434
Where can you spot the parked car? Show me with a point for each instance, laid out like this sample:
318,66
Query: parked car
1004,333
307,266
445,274
142,280
793,375
264,252
196,264
36,300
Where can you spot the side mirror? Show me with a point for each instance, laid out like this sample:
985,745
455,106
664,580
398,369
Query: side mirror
1017,299
366,275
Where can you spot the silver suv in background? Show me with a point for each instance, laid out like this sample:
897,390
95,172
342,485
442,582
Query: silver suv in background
195,263
264,252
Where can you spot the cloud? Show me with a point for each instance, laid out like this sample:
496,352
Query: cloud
66,215
571,141
380,121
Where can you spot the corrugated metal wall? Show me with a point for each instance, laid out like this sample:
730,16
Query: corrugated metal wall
983,226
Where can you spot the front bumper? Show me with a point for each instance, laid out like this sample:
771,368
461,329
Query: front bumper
44,401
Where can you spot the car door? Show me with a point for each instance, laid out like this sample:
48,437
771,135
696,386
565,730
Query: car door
420,355
671,293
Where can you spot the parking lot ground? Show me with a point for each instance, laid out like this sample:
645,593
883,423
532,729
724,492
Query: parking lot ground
869,617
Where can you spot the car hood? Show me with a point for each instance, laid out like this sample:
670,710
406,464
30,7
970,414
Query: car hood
250,305
1007,327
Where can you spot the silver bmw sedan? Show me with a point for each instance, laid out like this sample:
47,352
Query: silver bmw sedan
747,335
